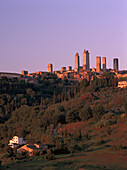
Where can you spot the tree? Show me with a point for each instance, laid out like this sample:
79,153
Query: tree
54,98
69,94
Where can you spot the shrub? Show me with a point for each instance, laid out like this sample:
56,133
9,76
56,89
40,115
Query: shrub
117,147
72,115
23,153
104,123
108,116
125,106
109,130
98,111
100,124
100,142
49,155
2,145
123,117
72,148
36,153
10,152
85,113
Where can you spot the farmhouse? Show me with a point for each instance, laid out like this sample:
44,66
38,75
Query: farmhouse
16,141
31,148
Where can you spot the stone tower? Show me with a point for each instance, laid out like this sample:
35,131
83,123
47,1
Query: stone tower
115,64
98,64
86,60
69,68
24,72
77,61
104,64
50,68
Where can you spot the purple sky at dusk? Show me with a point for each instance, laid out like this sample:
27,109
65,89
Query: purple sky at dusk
34,33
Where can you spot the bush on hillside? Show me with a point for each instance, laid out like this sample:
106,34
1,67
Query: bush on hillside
100,142
125,107
85,113
104,123
49,155
10,151
108,116
72,148
98,111
109,130
72,115
117,147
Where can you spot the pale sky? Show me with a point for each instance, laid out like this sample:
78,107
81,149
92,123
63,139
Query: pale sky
34,33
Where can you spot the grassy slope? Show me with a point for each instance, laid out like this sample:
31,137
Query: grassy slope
93,156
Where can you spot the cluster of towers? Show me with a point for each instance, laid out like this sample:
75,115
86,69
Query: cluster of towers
98,64
86,64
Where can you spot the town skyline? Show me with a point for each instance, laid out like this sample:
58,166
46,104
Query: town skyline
35,33
80,64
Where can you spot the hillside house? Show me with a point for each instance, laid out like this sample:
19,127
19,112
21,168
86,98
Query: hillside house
31,148
28,148
122,84
16,141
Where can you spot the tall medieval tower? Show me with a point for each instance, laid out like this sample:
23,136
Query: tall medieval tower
50,68
115,64
104,64
98,64
77,61
86,65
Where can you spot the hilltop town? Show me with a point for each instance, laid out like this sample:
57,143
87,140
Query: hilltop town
76,74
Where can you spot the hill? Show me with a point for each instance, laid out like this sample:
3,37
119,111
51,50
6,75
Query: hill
80,120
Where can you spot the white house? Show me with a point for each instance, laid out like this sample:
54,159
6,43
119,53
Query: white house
16,141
